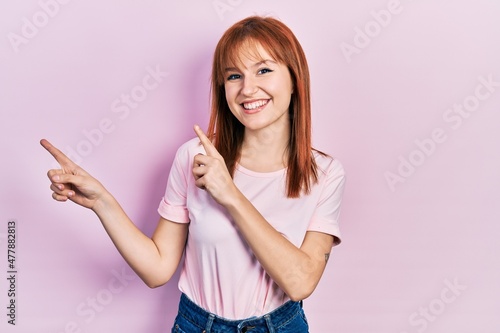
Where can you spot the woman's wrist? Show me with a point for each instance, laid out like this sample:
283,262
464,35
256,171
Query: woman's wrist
233,199
104,203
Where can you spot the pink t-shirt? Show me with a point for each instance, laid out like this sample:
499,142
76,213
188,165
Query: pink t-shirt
220,272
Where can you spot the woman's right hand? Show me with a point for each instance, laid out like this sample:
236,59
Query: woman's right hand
71,181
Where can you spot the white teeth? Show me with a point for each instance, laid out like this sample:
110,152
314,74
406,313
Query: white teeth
254,105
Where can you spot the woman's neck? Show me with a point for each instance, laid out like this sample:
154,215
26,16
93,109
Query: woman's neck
265,150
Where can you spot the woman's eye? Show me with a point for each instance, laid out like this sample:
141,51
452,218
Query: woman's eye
233,77
264,71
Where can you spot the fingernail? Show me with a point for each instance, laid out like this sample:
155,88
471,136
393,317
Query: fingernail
70,194
60,186
55,178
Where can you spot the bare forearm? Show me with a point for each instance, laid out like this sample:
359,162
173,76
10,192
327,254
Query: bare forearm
294,270
137,249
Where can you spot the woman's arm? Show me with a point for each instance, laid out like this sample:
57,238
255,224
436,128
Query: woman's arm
153,259
296,270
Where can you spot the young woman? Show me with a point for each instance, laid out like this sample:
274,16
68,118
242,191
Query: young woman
253,206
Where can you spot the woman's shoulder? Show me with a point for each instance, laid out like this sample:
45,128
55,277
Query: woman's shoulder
327,164
186,152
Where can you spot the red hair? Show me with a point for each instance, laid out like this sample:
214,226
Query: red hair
227,132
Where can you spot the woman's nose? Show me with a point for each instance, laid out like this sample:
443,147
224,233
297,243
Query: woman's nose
249,86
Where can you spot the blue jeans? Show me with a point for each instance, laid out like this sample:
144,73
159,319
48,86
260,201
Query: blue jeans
288,318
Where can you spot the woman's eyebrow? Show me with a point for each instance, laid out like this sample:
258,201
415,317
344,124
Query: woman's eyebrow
257,64
263,62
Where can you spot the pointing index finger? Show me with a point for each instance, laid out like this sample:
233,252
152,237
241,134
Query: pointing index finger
205,141
59,156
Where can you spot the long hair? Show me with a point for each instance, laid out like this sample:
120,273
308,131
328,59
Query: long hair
227,132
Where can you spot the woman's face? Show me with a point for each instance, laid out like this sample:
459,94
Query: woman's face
258,91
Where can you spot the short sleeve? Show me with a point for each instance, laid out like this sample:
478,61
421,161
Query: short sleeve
173,204
326,215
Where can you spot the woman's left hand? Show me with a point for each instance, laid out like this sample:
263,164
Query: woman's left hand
210,172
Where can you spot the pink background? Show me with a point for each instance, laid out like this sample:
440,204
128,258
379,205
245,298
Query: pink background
419,254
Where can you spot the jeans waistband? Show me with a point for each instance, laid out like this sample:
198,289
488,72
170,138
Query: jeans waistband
210,322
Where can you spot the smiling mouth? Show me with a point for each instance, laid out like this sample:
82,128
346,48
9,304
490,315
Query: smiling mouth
256,105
